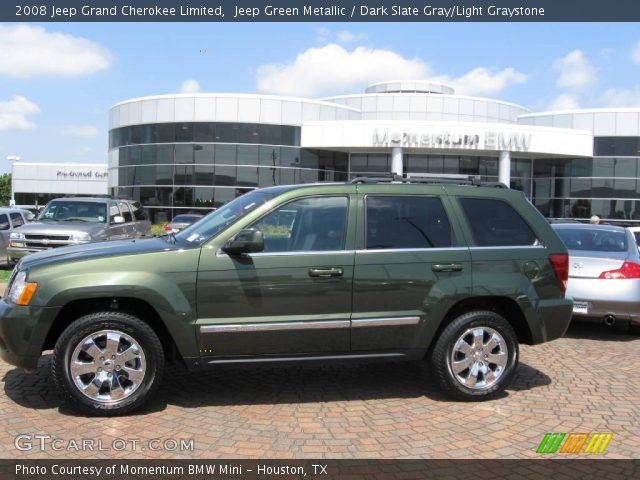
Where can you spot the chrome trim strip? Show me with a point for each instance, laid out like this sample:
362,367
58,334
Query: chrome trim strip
507,247
302,252
384,322
300,358
395,250
274,327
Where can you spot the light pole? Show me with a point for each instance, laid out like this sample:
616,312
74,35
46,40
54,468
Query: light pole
13,159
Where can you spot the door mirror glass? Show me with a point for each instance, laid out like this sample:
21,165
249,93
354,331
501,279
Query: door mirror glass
118,219
249,240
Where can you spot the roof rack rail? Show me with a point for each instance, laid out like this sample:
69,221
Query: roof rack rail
428,178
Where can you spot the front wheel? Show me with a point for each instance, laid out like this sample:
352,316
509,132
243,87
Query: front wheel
107,363
475,356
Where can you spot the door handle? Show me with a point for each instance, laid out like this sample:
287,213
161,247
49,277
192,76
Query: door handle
325,272
446,267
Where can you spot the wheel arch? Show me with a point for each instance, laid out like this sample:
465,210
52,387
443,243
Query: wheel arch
134,306
503,306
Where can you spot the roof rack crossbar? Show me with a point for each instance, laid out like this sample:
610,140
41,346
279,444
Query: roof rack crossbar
426,178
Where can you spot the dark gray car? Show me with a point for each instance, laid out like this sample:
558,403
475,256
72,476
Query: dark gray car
604,273
72,221
10,219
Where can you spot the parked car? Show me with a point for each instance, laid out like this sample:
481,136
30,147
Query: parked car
76,220
415,269
635,231
181,222
10,219
604,273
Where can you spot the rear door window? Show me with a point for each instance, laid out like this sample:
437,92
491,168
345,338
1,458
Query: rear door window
495,223
406,222
126,212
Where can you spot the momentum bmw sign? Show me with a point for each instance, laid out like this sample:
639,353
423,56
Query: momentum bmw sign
489,140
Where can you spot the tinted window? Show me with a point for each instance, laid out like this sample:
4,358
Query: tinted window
16,219
138,211
308,224
636,235
406,222
4,222
600,240
495,223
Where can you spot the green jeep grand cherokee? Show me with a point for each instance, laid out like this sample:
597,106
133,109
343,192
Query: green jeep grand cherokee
457,274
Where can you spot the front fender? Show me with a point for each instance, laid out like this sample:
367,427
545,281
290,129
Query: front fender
166,281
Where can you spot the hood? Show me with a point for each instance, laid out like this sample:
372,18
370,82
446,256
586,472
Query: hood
60,228
88,251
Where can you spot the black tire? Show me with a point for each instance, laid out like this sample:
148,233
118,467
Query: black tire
442,356
147,364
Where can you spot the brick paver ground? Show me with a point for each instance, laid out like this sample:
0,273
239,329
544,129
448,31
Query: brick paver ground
585,382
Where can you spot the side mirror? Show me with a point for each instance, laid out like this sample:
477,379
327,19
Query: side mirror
118,219
249,240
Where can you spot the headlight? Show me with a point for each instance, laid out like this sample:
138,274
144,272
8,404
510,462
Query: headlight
17,236
80,237
22,291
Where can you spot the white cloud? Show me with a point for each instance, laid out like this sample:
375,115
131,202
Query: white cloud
635,53
85,131
345,36
14,113
576,72
565,101
27,51
333,69
621,97
482,81
190,86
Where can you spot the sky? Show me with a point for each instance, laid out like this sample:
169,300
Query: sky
58,81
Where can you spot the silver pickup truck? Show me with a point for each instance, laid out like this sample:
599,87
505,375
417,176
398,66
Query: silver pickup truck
72,221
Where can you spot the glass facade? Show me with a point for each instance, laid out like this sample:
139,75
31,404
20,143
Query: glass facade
179,167
182,172
581,187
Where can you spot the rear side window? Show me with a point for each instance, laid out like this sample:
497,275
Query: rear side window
406,222
495,223
16,219
138,211
600,240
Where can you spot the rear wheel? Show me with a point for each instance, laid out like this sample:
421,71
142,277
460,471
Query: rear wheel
475,356
107,363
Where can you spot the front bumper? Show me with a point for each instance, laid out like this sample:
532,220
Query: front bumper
14,254
23,331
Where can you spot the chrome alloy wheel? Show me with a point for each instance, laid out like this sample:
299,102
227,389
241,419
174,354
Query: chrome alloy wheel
107,366
479,358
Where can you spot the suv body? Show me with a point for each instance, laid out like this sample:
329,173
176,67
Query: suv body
456,274
10,219
76,220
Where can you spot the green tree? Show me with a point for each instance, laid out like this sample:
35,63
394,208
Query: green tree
5,189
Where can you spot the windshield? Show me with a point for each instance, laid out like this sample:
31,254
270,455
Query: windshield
220,219
70,211
185,218
600,240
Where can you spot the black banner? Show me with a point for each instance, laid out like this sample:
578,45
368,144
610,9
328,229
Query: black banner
319,11
319,469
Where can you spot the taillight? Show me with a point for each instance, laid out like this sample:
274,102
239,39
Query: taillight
628,270
560,264
167,228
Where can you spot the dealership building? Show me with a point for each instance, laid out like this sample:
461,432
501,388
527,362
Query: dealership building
34,184
192,152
